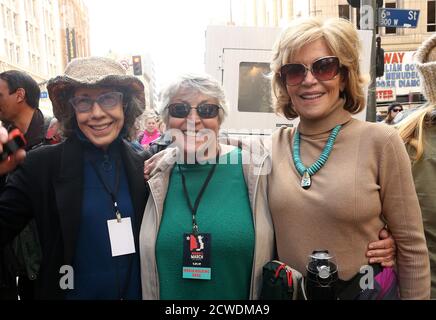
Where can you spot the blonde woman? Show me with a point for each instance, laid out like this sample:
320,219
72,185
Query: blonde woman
419,133
335,180
151,132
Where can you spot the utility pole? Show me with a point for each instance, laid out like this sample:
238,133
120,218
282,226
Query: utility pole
368,21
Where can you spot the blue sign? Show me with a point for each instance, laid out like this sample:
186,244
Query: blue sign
43,95
397,18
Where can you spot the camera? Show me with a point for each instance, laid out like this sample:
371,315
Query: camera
322,276
16,141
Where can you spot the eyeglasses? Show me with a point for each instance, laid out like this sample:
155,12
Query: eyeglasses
323,69
397,110
106,101
182,110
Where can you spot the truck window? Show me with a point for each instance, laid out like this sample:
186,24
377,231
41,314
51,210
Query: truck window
254,87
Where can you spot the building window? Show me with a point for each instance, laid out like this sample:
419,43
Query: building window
392,5
344,11
254,87
18,54
12,52
431,16
6,48
16,25
3,17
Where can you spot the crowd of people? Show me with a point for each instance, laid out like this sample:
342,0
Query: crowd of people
175,211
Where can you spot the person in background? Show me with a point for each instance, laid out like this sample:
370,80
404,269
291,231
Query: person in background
393,110
87,193
379,117
335,180
19,108
161,126
53,134
151,132
418,131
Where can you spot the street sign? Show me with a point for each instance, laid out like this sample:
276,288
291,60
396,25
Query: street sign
397,18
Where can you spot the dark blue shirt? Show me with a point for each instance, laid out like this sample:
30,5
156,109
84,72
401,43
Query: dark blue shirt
98,275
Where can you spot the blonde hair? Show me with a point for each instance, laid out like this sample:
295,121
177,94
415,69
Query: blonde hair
343,41
411,129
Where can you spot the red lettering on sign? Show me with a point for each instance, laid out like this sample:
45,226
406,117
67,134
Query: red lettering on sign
394,57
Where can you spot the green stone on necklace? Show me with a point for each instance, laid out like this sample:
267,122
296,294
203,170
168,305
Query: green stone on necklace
307,173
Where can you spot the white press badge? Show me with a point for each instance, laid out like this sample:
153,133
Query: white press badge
121,236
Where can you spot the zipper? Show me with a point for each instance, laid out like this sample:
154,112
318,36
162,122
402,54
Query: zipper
157,230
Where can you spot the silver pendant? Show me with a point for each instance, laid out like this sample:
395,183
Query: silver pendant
306,182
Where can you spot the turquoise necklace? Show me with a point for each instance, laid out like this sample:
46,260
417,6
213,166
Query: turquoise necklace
304,172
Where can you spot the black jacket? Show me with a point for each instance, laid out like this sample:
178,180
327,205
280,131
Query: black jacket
22,256
49,186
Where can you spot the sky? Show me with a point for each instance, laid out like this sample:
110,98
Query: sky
171,31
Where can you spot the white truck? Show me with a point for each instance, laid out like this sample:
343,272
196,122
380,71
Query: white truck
239,58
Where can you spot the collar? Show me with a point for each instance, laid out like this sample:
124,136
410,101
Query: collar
35,131
338,116
150,134
90,149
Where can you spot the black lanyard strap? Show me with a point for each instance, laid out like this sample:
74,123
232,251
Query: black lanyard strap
122,292
200,195
106,186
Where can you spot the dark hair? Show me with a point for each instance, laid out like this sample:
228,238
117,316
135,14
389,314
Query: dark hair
18,79
393,105
131,109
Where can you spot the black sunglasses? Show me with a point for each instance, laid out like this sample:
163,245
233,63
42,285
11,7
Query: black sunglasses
182,110
323,69
397,110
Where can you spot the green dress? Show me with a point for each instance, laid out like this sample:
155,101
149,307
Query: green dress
224,212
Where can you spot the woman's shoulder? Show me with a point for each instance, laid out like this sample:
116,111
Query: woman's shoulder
380,128
378,133
45,151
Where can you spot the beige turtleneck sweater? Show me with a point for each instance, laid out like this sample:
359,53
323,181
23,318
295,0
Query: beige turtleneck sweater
366,179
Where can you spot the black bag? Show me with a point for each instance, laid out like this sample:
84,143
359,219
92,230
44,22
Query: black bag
280,282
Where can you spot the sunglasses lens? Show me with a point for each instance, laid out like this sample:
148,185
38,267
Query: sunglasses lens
293,73
179,110
326,68
397,110
208,111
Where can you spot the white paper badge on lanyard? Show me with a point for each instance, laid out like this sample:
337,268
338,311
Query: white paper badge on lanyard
121,237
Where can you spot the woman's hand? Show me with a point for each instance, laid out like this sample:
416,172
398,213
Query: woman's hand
11,162
150,164
382,251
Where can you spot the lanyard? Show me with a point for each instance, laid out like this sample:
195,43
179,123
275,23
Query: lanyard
200,195
112,193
